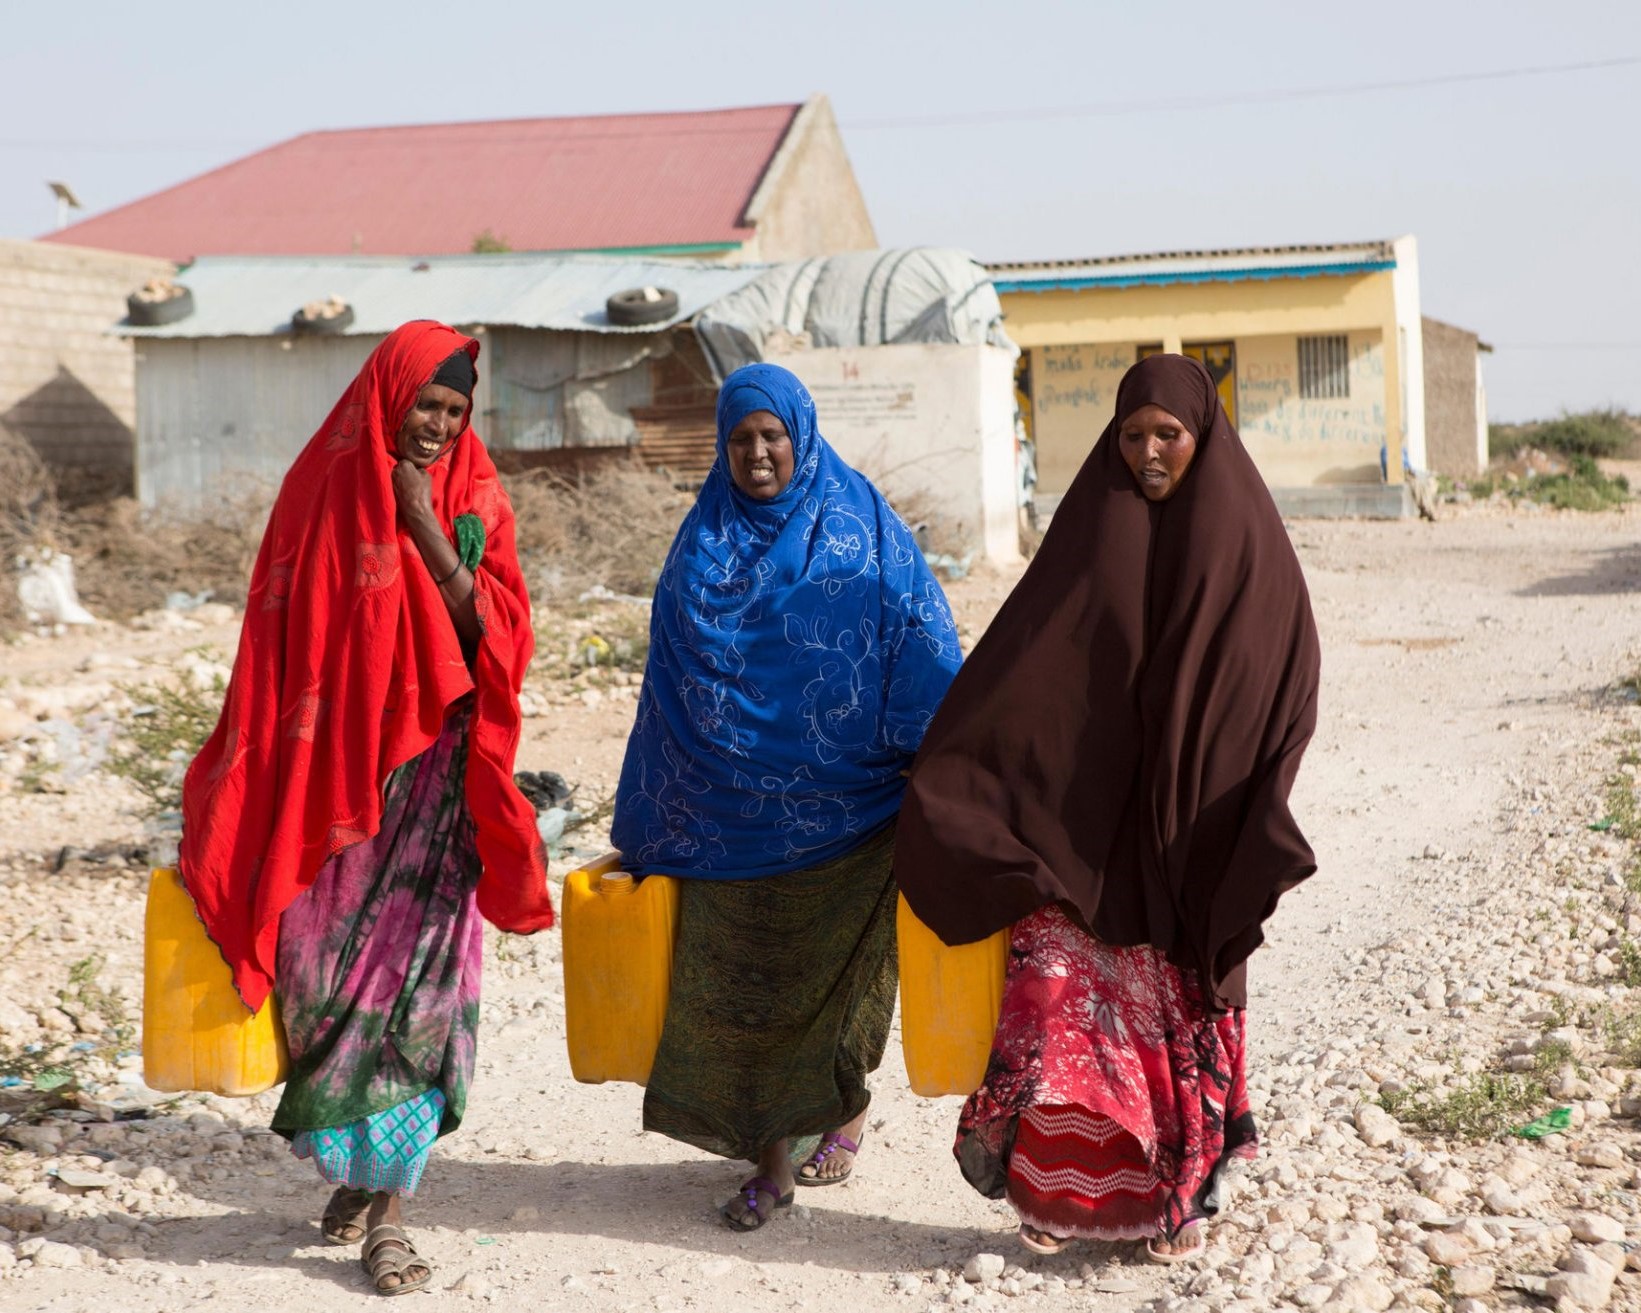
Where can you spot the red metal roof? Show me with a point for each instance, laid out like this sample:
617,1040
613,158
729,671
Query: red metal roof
626,180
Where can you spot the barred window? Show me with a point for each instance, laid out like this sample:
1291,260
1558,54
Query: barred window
1324,367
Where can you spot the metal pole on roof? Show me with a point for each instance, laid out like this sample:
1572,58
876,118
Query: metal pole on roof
66,201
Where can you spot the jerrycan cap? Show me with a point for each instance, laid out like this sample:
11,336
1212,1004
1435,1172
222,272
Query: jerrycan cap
616,882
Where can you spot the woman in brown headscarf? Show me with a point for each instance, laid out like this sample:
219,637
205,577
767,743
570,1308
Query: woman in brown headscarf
1109,775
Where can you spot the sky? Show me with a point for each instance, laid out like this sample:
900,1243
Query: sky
1018,131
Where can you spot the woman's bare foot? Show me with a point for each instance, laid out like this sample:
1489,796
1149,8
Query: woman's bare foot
833,1161
1043,1242
1186,1244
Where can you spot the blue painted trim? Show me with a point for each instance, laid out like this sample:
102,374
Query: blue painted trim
1200,276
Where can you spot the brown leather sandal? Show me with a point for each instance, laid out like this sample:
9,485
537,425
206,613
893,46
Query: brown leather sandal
389,1253
343,1220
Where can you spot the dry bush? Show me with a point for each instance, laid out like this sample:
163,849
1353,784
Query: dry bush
611,526
127,559
29,517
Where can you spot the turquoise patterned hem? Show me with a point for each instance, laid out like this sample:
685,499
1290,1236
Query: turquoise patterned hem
384,1153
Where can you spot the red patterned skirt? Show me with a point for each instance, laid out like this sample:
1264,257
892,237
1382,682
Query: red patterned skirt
1113,1098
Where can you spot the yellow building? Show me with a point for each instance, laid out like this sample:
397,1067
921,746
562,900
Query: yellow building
1317,351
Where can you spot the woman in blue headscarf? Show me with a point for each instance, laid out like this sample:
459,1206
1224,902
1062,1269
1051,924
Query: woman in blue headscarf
799,647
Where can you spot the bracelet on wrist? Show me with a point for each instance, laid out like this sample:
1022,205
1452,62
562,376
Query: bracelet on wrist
440,583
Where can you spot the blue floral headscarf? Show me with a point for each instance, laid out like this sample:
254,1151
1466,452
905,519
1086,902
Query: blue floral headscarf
798,650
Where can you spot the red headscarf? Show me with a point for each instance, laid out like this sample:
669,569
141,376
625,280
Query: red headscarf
347,664
1124,737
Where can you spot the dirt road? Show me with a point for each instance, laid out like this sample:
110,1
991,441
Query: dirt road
1468,730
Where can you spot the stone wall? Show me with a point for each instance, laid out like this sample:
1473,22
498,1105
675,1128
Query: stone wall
810,202
67,383
1454,424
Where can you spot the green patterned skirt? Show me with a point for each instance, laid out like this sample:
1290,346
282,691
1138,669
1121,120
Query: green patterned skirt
782,994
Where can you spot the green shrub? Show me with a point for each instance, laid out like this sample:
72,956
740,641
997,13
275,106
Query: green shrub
168,727
1582,488
1597,433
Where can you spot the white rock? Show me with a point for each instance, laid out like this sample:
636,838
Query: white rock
907,1283
1362,1292
1475,1234
1416,1208
1471,1280
983,1268
49,1253
1602,1153
1447,1249
1584,1290
1595,1228
1312,1296
1499,1199
1376,1126
1352,1245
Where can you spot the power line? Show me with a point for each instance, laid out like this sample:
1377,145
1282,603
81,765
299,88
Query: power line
1566,346
1101,109
1116,108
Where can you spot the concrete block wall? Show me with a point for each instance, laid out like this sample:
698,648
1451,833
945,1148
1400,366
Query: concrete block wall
1455,426
67,384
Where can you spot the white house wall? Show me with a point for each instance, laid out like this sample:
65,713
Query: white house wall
930,424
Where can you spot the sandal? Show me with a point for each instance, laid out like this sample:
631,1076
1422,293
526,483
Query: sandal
748,1199
830,1144
1044,1242
1193,1228
389,1253
343,1220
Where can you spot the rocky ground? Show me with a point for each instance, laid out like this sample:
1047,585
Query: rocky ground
1467,959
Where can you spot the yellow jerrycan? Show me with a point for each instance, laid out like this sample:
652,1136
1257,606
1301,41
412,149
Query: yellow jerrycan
618,940
949,1001
196,1034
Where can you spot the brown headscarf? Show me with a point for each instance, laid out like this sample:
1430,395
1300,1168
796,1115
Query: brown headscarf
1124,737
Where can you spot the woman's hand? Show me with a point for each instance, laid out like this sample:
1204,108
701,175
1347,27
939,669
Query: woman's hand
413,488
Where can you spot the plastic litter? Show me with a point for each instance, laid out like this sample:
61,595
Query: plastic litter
45,587
552,824
953,567
600,593
181,601
1552,1123
544,788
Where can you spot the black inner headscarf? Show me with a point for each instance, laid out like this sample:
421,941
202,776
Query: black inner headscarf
457,373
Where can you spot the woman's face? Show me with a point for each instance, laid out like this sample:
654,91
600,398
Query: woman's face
760,456
1158,450
431,425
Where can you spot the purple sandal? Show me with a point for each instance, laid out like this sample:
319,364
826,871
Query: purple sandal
830,1144
752,1216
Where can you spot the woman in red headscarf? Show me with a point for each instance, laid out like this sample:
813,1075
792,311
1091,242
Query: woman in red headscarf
354,814
1109,775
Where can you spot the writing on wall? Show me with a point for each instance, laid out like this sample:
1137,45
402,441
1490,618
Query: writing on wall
893,402
1073,395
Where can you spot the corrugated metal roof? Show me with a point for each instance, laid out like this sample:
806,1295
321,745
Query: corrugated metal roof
255,296
559,184
1232,265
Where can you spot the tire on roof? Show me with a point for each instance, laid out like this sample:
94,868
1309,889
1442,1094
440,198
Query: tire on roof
153,305
642,305
320,317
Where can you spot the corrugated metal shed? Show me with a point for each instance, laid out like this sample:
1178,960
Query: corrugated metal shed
255,296
556,184
1234,265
